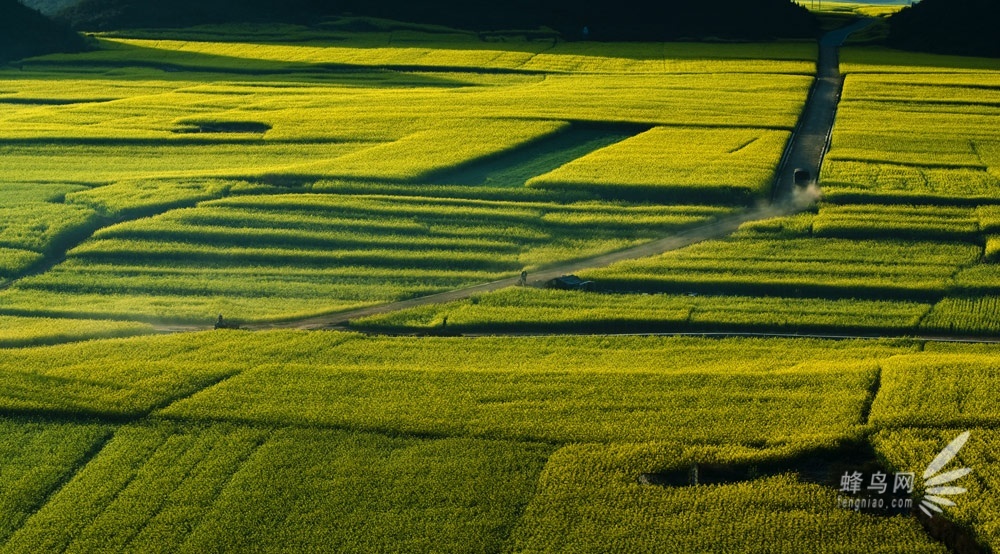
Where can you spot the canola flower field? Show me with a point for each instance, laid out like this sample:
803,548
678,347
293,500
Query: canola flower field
178,442
173,175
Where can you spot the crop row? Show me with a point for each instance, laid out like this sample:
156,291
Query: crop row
96,164
29,331
796,267
124,199
563,57
176,488
866,222
262,257
532,310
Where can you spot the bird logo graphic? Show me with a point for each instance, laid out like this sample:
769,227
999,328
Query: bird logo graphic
936,484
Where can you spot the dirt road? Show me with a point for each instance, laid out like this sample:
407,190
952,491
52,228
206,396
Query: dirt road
806,150
718,228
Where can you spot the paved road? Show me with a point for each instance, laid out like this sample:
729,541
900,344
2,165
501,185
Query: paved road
812,134
806,149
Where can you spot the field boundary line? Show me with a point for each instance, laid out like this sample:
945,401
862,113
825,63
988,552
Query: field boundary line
56,488
708,335
267,435
211,384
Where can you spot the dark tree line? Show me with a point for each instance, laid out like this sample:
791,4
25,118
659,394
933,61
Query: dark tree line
604,19
25,32
964,27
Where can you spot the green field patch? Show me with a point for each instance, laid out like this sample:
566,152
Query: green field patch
267,257
15,261
19,194
502,388
38,458
550,311
590,499
100,164
346,111
44,227
469,52
989,218
179,488
197,304
944,88
516,167
883,149
881,60
787,227
104,378
913,449
963,314
992,253
978,279
677,165
137,198
920,150
823,268
676,57
424,154
32,331
950,388
869,221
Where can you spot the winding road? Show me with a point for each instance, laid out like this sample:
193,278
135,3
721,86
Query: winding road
806,149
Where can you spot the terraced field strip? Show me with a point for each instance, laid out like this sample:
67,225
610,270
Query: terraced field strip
721,227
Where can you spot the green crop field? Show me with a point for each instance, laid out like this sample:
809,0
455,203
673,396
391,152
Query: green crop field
278,133
915,129
445,441
284,175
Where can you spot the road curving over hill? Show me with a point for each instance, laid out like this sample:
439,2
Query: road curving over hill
805,149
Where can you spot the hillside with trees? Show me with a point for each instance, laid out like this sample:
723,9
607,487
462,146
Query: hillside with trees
624,20
964,27
25,32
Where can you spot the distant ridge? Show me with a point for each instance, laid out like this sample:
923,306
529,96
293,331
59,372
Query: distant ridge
964,27
603,20
25,32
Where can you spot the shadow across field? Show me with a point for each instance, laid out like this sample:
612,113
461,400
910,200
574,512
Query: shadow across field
118,56
826,467
823,466
514,168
